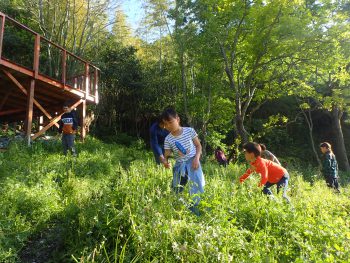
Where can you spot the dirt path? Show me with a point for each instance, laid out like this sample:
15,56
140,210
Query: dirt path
43,247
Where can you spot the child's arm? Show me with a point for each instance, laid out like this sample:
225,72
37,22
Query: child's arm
75,122
245,175
60,127
197,144
155,144
164,160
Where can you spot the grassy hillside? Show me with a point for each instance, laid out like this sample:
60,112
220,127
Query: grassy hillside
113,204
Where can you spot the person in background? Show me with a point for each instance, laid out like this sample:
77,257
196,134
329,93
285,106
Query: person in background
68,125
183,142
5,127
157,137
329,166
271,173
268,155
220,156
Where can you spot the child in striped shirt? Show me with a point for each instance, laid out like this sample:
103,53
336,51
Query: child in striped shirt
183,142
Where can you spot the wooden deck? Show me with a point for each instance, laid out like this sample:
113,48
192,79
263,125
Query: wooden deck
37,77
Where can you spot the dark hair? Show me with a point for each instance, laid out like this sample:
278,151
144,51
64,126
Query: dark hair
252,147
158,119
263,147
327,145
168,113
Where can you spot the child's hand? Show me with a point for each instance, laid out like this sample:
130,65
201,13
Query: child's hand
181,154
167,165
164,161
195,163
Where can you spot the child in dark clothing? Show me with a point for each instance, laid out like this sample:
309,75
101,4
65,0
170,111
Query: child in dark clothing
329,166
220,157
268,155
157,136
68,126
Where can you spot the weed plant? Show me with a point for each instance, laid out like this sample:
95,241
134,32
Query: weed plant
113,204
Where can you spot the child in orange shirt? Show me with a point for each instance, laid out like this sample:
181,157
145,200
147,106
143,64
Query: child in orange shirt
271,173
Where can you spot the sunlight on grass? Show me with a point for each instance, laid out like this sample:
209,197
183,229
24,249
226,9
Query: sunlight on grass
113,204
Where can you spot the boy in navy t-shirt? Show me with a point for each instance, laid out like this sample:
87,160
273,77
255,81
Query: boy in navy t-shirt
158,134
68,126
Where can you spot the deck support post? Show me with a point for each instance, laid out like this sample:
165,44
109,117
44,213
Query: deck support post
82,120
29,113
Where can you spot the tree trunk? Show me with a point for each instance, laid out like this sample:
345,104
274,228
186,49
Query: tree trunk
339,146
243,134
310,125
204,141
239,114
160,52
184,86
205,124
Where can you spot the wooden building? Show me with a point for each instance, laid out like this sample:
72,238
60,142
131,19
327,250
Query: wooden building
37,77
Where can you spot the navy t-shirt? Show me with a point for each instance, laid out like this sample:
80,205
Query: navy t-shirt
157,138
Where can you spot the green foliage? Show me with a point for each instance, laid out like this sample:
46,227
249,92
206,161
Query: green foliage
113,204
18,45
8,133
272,49
15,9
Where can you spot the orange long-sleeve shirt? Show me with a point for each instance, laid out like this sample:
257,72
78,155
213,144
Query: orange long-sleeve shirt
269,171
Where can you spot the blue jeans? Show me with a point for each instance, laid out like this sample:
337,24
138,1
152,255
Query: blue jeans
283,182
183,173
68,143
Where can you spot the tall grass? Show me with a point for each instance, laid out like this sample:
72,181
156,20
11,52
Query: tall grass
113,204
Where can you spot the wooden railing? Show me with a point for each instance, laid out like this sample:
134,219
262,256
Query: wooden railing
54,62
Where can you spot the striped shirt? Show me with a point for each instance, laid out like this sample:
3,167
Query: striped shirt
186,140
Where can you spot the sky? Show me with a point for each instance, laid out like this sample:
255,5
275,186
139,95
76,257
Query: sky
133,10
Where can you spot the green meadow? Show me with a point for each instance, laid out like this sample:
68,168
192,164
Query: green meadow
113,204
